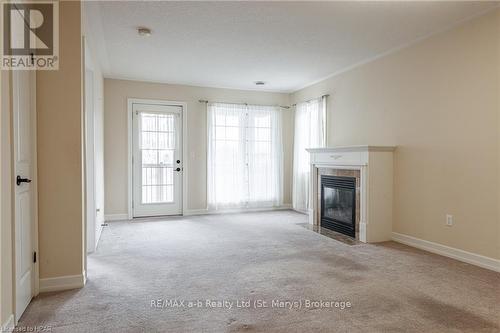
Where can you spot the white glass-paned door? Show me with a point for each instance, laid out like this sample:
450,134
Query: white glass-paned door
157,160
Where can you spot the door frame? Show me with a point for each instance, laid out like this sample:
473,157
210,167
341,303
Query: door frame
184,183
90,188
35,283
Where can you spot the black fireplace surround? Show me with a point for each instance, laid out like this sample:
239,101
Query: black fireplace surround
338,204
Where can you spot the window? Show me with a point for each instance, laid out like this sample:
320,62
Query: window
244,156
157,145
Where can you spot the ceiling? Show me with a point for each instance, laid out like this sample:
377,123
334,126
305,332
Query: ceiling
288,45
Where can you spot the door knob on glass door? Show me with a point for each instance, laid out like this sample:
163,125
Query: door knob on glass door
20,180
178,169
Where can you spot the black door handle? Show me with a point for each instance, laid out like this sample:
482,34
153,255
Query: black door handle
178,169
20,180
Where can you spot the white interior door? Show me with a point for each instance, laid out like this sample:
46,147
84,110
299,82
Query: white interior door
157,160
24,194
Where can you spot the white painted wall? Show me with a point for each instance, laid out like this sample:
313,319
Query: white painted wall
60,165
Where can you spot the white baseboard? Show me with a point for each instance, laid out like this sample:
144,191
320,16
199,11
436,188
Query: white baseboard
190,212
206,211
305,212
98,235
468,257
8,325
115,217
62,283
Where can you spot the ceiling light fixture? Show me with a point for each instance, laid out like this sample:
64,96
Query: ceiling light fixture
259,83
144,31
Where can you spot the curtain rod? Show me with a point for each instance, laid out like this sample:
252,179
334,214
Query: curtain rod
312,99
206,101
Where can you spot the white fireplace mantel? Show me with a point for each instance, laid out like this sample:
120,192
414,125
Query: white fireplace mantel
375,164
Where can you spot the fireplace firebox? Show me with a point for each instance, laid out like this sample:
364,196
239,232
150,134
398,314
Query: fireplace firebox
338,204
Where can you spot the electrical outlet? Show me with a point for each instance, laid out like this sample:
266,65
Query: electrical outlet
449,220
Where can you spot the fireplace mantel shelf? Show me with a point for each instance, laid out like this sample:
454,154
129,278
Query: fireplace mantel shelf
361,148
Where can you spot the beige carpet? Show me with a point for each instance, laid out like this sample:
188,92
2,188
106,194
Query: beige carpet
261,257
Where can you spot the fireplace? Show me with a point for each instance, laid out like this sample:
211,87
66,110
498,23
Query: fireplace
338,204
372,210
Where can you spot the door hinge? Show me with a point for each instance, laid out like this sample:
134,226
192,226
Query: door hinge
34,257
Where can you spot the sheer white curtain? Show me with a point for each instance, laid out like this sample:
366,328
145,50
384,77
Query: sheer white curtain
226,157
264,156
245,158
310,132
